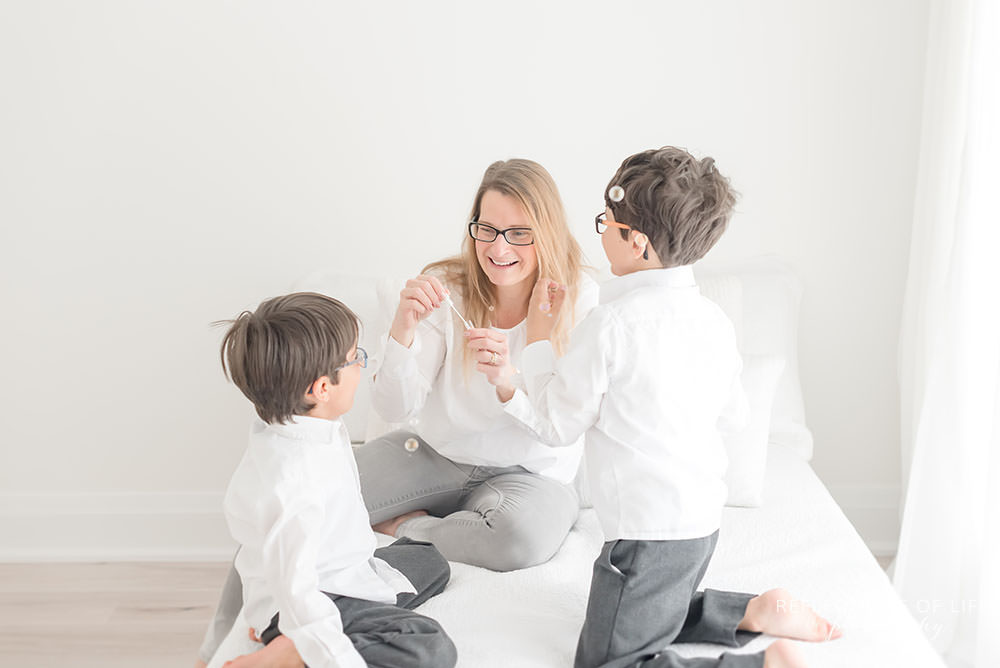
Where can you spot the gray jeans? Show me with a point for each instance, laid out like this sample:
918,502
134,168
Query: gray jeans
643,597
503,519
393,636
499,518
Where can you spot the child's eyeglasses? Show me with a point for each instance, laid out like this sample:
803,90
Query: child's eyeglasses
515,236
602,223
361,357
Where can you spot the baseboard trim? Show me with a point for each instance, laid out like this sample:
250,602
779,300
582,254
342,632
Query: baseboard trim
887,548
89,527
874,511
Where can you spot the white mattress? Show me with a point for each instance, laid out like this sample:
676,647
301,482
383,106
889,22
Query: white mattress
799,540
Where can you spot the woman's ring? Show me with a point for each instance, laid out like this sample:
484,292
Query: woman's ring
493,360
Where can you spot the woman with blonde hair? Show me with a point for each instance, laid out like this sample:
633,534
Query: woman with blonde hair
462,476
465,478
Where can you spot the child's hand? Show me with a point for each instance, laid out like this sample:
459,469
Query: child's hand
421,295
547,299
489,349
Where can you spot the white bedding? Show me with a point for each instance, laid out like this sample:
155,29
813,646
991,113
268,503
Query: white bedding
799,539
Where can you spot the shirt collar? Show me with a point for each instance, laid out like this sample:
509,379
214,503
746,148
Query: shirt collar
304,428
671,277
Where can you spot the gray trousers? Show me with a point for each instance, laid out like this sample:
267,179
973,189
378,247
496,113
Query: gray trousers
393,636
643,597
498,518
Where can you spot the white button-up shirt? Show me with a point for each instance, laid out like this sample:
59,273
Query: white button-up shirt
650,376
431,386
294,505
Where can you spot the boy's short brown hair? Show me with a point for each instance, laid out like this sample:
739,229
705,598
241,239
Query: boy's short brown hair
682,204
276,352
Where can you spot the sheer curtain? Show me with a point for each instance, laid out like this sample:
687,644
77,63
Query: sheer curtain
948,566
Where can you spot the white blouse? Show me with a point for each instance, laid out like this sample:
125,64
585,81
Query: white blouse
433,389
651,376
294,505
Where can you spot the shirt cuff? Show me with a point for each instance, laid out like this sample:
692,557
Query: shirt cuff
538,360
517,380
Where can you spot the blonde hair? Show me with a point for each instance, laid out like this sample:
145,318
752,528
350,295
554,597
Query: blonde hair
559,255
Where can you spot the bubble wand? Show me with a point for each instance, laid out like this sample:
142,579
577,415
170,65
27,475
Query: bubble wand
454,308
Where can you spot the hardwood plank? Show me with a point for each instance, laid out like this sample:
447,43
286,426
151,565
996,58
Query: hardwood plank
178,607
111,576
87,646
106,615
129,607
27,609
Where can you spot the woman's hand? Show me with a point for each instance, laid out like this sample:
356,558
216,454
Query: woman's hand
547,299
489,349
421,295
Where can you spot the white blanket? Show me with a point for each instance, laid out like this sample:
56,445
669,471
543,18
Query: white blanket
799,540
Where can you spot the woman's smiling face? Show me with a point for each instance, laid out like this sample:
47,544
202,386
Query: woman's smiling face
503,263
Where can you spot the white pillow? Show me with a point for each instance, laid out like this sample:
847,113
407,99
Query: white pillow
771,293
747,448
365,296
727,292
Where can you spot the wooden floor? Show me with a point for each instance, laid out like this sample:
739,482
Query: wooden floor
106,615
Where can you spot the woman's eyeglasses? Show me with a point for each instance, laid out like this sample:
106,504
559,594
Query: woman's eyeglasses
515,236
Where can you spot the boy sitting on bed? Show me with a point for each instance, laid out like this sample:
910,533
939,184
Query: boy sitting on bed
651,375
312,577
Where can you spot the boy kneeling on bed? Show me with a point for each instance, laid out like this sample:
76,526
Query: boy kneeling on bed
651,376
312,577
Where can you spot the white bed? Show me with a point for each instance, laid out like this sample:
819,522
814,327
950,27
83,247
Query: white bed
799,539
795,536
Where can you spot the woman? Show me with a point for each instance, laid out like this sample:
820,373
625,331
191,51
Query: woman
478,487
483,490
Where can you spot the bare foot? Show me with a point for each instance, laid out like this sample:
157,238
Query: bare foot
390,527
783,654
280,653
200,664
778,613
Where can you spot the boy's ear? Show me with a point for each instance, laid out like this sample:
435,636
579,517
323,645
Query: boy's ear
321,388
639,243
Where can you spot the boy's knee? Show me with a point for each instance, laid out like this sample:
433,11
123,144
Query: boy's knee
430,561
424,644
442,652
437,567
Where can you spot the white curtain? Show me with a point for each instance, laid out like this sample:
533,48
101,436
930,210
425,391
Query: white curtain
948,566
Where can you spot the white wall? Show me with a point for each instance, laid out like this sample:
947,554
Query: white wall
163,165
